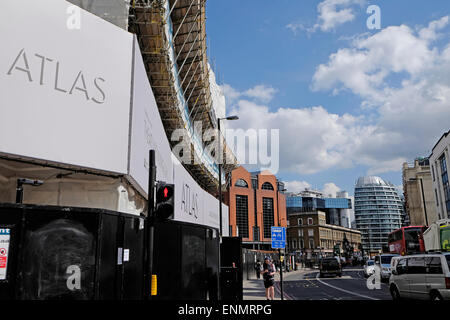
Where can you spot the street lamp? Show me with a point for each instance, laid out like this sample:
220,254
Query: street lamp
220,170
21,182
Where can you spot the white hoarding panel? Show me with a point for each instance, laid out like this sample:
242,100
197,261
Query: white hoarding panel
65,78
147,130
195,205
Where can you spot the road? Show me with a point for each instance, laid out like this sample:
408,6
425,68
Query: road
351,286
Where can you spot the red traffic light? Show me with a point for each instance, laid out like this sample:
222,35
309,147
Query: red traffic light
166,191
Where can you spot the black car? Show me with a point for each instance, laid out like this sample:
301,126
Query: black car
330,266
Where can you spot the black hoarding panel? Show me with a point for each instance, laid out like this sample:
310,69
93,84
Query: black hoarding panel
231,271
212,264
58,258
107,258
193,263
186,261
166,260
231,252
133,259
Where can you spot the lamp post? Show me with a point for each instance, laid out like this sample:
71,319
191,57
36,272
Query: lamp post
21,182
220,170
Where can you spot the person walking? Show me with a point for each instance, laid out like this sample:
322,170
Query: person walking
269,278
258,269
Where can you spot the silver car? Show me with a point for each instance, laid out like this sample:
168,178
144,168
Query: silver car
369,268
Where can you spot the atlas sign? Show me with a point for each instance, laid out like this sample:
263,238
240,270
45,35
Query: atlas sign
48,71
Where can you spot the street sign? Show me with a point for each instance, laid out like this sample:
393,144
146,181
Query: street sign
278,237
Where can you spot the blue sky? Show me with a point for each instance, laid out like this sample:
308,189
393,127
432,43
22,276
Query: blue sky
349,101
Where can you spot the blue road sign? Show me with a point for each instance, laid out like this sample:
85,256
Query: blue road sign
278,237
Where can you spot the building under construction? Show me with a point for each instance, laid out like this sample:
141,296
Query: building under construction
172,39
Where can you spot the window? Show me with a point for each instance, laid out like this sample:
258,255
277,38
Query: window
300,232
268,217
300,222
445,182
401,266
241,183
267,186
310,221
416,266
242,215
433,265
310,232
301,244
311,243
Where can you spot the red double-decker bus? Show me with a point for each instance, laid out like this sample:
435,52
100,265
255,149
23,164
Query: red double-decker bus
407,240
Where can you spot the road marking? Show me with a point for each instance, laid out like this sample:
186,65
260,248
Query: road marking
352,269
346,291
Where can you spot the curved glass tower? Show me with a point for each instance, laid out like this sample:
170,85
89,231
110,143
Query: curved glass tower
378,211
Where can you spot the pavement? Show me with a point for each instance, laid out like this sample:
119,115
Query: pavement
254,289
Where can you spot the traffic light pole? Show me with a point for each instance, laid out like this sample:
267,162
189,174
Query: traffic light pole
150,222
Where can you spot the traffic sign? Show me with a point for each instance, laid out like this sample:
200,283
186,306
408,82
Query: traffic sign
278,237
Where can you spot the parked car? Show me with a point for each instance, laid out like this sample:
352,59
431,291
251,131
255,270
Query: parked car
369,268
422,276
383,261
329,266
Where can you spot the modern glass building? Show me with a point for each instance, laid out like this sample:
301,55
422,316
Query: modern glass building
336,209
378,211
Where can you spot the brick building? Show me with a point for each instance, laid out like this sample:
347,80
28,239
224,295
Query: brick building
308,231
256,203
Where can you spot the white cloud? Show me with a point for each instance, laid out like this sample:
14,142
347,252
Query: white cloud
262,93
295,27
311,139
330,189
409,114
296,186
413,111
331,14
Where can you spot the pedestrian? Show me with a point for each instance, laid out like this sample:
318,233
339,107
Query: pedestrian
258,269
269,278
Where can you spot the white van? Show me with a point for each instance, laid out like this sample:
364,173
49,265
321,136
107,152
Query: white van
421,276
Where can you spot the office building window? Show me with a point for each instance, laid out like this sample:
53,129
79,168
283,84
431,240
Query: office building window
311,243
241,183
267,186
310,221
445,182
310,232
300,221
300,232
242,215
268,217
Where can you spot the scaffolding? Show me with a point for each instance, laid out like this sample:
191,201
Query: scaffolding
172,39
